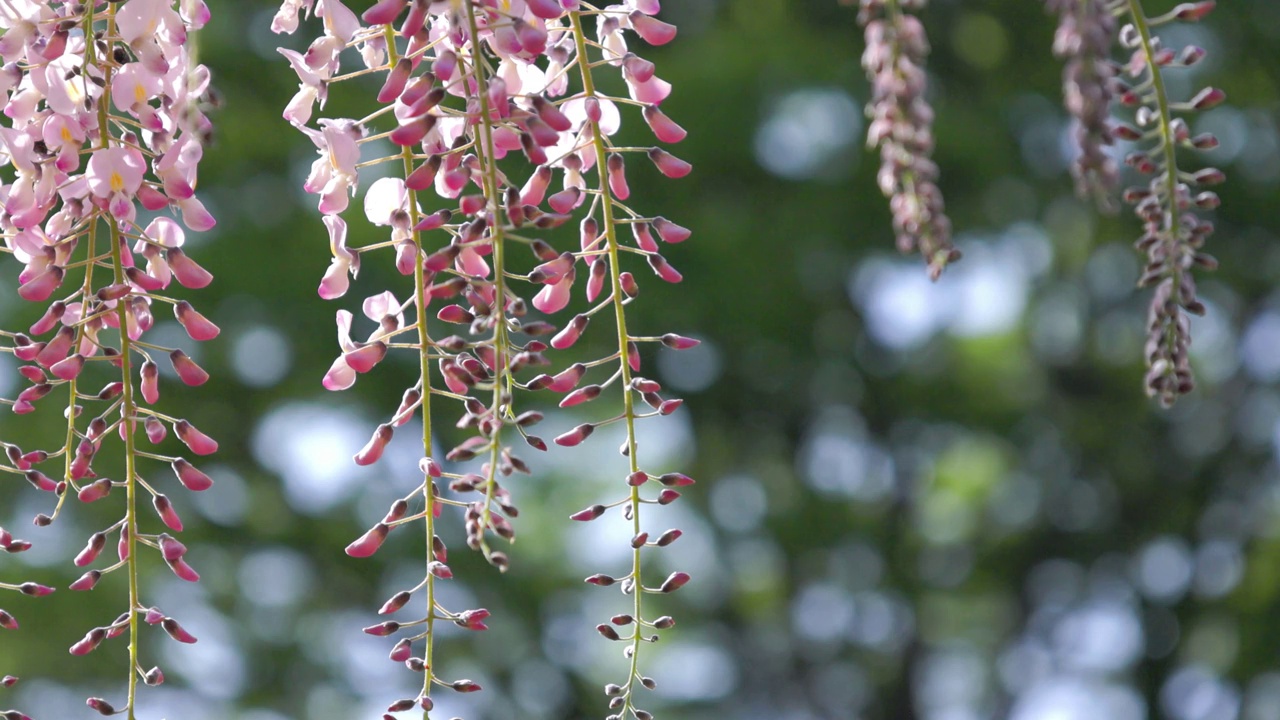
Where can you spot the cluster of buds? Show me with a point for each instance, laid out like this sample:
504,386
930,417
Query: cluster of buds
462,85
1173,235
105,113
10,544
1086,31
902,127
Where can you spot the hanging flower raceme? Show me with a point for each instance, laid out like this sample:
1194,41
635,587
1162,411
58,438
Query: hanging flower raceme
132,102
458,89
1174,235
902,127
1086,32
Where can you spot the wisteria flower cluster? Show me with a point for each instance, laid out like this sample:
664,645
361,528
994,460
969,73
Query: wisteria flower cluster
1173,236
491,116
103,132
1086,33
902,127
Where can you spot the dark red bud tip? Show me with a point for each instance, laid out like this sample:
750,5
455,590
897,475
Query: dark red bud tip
664,622
608,632
601,579
674,581
102,706
402,705
590,513
637,478
465,686
668,496
621,619
679,342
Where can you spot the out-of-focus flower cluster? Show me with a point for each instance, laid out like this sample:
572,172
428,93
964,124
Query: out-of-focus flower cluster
1174,234
1086,32
489,113
104,124
902,127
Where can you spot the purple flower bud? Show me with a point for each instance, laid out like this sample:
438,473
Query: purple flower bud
571,332
89,642
668,496
170,548
668,164
150,382
156,431
188,371
617,174
7,621
383,629
94,491
102,706
369,543
183,570
86,581
186,271
199,443
674,581
663,269
608,632
668,537
653,30
1208,98
68,369
372,450
402,650
153,677
197,326
590,513
581,395
465,686
167,514
191,478
97,541
176,631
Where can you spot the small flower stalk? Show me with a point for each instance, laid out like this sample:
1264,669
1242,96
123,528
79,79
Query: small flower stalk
1173,233
105,131
902,127
489,115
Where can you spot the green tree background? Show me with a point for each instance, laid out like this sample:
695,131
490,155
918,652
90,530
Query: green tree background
944,502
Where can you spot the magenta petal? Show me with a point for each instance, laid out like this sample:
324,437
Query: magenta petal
177,632
671,232
365,358
340,375
187,271
171,549
40,287
663,127
654,31
197,326
372,450
68,369
167,514
191,478
369,543
184,571
199,443
188,371
384,12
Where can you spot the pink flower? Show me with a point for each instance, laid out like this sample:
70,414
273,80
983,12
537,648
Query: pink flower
114,175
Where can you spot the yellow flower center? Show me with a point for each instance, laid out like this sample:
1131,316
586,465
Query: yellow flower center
117,182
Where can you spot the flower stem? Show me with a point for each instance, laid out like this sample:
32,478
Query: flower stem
611,236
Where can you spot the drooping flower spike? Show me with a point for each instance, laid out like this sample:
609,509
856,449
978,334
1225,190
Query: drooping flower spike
98,245
461,86
1174,235
902,127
